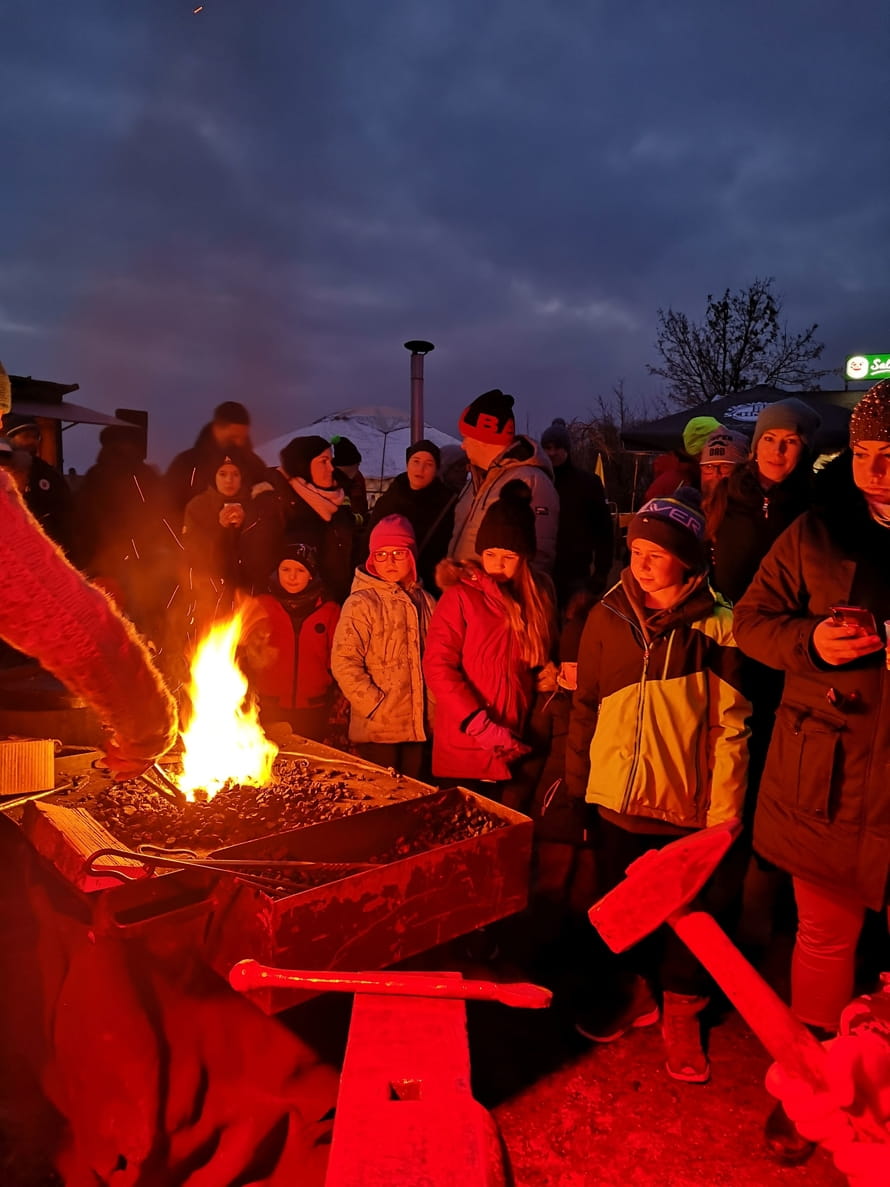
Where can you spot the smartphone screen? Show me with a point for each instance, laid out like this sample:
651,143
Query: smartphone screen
856,616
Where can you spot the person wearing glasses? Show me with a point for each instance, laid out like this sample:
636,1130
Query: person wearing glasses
376,656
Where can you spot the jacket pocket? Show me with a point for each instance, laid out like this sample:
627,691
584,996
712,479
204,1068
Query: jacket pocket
803,754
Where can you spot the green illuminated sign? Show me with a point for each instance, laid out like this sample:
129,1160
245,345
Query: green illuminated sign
867,366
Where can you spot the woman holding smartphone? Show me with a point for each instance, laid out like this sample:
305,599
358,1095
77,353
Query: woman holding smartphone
823,813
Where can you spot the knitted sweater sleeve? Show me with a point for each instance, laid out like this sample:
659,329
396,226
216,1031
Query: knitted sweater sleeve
49,611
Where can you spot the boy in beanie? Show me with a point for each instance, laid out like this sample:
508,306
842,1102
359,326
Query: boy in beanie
288,649
430,455
497,455
658,747
376,657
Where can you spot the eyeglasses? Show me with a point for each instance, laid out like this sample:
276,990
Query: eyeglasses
383,554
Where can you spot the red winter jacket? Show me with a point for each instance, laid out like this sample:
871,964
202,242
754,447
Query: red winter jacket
300,675
472,662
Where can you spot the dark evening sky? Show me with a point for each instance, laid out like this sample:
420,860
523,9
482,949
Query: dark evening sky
263,200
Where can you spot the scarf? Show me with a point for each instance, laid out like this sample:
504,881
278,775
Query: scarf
324,502
298,607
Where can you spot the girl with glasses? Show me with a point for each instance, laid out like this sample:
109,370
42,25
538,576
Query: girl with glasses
376,657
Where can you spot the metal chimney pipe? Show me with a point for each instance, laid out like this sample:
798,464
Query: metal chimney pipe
418,349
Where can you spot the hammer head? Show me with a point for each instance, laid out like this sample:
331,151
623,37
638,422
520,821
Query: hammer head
658,885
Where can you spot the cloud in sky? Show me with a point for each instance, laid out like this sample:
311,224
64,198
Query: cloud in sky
265,200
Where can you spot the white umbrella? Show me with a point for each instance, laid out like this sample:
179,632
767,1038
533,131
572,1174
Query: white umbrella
381,436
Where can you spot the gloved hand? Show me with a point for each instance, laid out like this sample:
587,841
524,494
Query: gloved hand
858,1073
495,737
127,758
121,766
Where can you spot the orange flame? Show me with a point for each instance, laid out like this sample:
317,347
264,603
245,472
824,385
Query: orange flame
223,742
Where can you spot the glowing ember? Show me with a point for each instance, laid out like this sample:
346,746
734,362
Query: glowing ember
223,742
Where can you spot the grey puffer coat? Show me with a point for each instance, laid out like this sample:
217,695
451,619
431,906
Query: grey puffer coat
524,459
376,659
824,808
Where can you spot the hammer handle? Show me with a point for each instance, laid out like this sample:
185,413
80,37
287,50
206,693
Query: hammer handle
249,974
784,1036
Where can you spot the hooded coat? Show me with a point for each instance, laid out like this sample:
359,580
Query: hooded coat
376,659
523,459
473,662
658,723
297,667
823,813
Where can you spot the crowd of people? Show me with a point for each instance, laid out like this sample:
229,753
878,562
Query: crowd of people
733,673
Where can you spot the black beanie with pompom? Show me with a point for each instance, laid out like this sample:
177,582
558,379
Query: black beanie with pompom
509,523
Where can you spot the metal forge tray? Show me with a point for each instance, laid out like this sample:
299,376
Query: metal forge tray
367,919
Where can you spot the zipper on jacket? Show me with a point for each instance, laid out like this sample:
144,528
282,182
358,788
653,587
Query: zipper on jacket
625,799
765,507
633,623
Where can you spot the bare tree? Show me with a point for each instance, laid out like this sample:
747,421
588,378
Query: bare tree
742,342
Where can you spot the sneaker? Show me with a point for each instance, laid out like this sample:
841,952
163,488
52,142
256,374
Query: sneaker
681,1029
782,1139
610,1020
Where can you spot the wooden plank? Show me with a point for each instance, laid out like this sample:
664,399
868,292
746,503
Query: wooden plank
26,764
68,837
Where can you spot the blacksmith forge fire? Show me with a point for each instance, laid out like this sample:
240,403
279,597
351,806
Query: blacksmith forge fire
235,787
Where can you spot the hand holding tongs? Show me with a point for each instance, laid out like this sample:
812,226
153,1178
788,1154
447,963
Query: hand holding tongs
158,780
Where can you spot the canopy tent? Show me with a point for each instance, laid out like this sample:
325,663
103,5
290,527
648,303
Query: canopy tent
45,401
72,414
740,410
381,436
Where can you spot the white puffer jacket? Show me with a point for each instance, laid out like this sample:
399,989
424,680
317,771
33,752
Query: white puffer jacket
376,659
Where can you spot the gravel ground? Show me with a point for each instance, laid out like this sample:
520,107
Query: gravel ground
610,1115
578,1114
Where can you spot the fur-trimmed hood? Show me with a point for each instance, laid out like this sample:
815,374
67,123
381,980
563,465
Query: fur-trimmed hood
469,573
